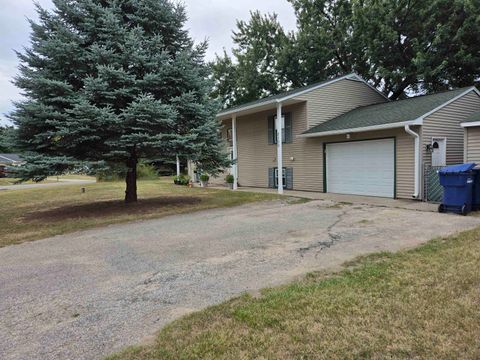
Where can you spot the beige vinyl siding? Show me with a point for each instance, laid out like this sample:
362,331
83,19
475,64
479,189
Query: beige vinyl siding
338,98
305,155
446,123
255,154
472,145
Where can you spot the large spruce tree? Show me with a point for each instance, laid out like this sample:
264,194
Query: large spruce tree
113,82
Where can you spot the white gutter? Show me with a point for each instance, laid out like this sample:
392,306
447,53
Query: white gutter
417,160
362,129
470,124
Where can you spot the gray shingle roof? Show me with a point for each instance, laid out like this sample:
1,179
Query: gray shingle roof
387,113
9,158
474,117
282,95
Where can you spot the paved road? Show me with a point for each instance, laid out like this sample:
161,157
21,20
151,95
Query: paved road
62,182
86,295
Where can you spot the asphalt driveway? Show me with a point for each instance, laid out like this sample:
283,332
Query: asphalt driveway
88,294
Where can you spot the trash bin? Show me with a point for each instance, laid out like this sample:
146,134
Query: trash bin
457,182
476,190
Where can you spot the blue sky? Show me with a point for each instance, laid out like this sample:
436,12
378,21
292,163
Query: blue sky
209,19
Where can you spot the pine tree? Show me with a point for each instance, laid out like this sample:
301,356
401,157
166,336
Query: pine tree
113,82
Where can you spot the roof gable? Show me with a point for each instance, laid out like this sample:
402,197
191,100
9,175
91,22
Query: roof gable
291,94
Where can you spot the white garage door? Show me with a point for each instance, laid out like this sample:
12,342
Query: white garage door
361,168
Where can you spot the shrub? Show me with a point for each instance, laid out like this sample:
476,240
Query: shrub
230,179
181,180
204,177
144,172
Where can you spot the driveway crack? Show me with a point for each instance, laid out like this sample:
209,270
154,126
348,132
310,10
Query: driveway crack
333,238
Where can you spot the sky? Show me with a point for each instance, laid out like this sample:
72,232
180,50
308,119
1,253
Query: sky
213,20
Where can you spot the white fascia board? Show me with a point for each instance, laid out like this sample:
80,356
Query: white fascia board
470,124
235,111
362,129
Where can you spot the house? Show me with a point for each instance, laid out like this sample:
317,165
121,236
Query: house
472,138
8,160
343,136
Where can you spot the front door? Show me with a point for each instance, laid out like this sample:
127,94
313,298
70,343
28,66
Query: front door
439,152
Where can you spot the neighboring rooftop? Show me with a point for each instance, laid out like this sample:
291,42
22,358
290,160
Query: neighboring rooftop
10,158
399,111
475,117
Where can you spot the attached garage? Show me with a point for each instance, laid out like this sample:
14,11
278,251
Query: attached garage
361,167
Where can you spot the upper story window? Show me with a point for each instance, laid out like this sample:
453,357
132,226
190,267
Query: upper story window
286,124
275,134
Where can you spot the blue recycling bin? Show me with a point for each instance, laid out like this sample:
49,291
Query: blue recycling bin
458,183
476,190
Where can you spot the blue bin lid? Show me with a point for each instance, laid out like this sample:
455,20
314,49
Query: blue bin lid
455,169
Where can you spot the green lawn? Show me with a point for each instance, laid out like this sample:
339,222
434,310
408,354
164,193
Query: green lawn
38,213
418,304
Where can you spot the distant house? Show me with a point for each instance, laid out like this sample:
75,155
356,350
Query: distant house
343,136
472,138
8,160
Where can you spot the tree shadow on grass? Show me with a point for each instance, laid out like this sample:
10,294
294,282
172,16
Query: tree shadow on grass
109,208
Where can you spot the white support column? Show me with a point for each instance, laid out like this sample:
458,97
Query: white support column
178,165
190,169
235,152
278,129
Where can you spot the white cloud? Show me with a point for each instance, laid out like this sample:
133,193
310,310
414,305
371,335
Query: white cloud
209,19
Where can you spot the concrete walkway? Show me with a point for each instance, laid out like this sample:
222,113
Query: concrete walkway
354,199
86,295
61,182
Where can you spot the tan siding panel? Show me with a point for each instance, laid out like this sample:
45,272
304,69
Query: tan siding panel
338,98
473,145
446,123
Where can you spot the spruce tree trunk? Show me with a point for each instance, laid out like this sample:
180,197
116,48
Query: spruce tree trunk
131,180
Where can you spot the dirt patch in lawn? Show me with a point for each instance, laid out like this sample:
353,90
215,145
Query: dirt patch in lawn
110,208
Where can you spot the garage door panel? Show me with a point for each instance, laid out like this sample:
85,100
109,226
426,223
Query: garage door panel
361,168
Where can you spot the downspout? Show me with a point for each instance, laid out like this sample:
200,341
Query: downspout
417,160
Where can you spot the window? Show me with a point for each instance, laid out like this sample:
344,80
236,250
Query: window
275,134
287,177
284,178
287,133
